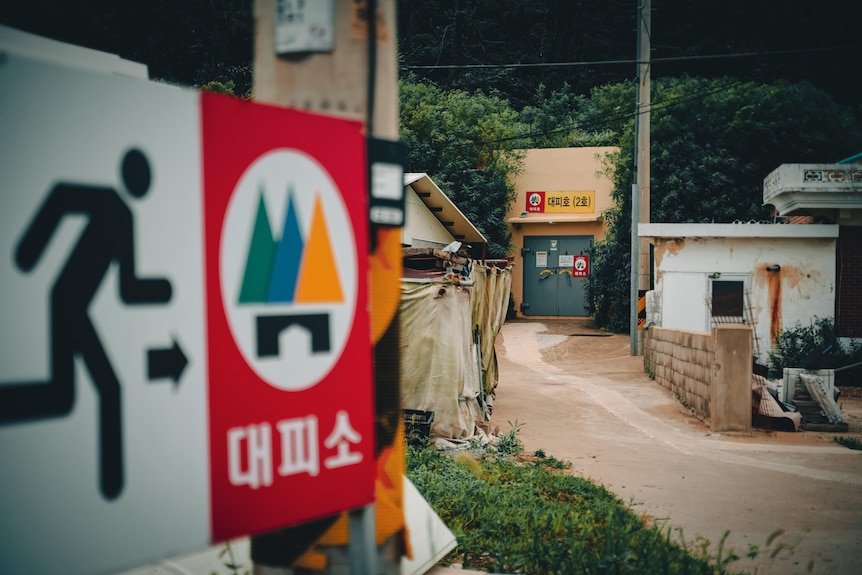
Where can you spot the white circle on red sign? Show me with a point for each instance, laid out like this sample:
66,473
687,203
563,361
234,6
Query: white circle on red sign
535,199
580,263
288,269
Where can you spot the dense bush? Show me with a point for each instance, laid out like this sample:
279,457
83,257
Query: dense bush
816,346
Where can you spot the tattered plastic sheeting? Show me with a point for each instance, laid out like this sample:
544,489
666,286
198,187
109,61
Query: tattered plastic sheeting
438,365
491,290
440,360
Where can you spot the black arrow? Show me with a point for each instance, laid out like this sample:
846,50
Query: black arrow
166,363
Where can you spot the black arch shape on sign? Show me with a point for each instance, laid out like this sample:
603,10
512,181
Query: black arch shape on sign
269,327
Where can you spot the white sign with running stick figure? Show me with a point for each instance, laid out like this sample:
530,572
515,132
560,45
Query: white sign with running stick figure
102,374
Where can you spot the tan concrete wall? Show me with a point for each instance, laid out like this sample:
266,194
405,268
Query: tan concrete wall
730,399
682,362
709,373
555,169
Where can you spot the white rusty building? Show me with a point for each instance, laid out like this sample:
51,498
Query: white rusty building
771,275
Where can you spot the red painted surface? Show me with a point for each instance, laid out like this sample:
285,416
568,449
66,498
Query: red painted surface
235,134
535,202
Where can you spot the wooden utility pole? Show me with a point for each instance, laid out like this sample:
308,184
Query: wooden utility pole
334,82
640,249
354,77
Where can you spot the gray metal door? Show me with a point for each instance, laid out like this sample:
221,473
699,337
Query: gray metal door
552,269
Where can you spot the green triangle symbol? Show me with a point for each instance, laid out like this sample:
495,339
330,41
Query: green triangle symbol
258,264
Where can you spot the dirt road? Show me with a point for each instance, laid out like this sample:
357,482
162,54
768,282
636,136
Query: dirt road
579,395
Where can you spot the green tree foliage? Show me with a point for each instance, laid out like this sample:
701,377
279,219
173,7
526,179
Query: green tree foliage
715,140
470,32
467,143
471,144
555,120
772,39
712,143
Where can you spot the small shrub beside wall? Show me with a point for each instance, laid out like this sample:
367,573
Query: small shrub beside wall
816,346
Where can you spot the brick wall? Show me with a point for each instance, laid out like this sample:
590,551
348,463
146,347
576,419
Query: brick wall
683,363
848,300
708,372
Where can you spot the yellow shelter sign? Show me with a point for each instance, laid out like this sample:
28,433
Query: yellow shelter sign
562,202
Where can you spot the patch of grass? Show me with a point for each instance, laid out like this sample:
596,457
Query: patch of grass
541,458
515,517
848,442
555,463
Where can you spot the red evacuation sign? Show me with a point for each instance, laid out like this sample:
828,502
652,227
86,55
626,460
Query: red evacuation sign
582,267
535,202
289,355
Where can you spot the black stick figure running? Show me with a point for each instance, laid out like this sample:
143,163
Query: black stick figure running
107,238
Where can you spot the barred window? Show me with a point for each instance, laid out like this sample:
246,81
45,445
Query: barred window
728,299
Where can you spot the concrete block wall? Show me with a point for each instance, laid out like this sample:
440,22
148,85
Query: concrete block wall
708,372
683,363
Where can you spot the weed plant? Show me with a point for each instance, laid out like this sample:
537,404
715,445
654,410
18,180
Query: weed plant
230,562
848,442
509,443
649,369
512,516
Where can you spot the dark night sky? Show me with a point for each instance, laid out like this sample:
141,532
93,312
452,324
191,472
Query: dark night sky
192,41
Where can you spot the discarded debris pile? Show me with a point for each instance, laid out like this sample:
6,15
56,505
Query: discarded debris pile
804,398
814,395
817,390
452,308
768,411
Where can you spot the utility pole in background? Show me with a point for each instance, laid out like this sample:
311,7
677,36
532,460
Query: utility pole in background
337,68
640,249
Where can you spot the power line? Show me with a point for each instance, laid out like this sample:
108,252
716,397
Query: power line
605,121
612,62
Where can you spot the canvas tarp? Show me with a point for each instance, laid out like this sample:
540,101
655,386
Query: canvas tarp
444,326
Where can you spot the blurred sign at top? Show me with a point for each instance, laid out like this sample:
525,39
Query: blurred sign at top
303,26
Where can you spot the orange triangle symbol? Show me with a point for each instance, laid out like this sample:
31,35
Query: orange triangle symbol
318,277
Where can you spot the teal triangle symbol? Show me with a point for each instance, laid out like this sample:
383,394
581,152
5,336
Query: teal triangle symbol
288,257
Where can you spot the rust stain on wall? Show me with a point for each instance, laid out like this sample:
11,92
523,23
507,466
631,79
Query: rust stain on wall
760,276
800,282
793,276
667,248
774,280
